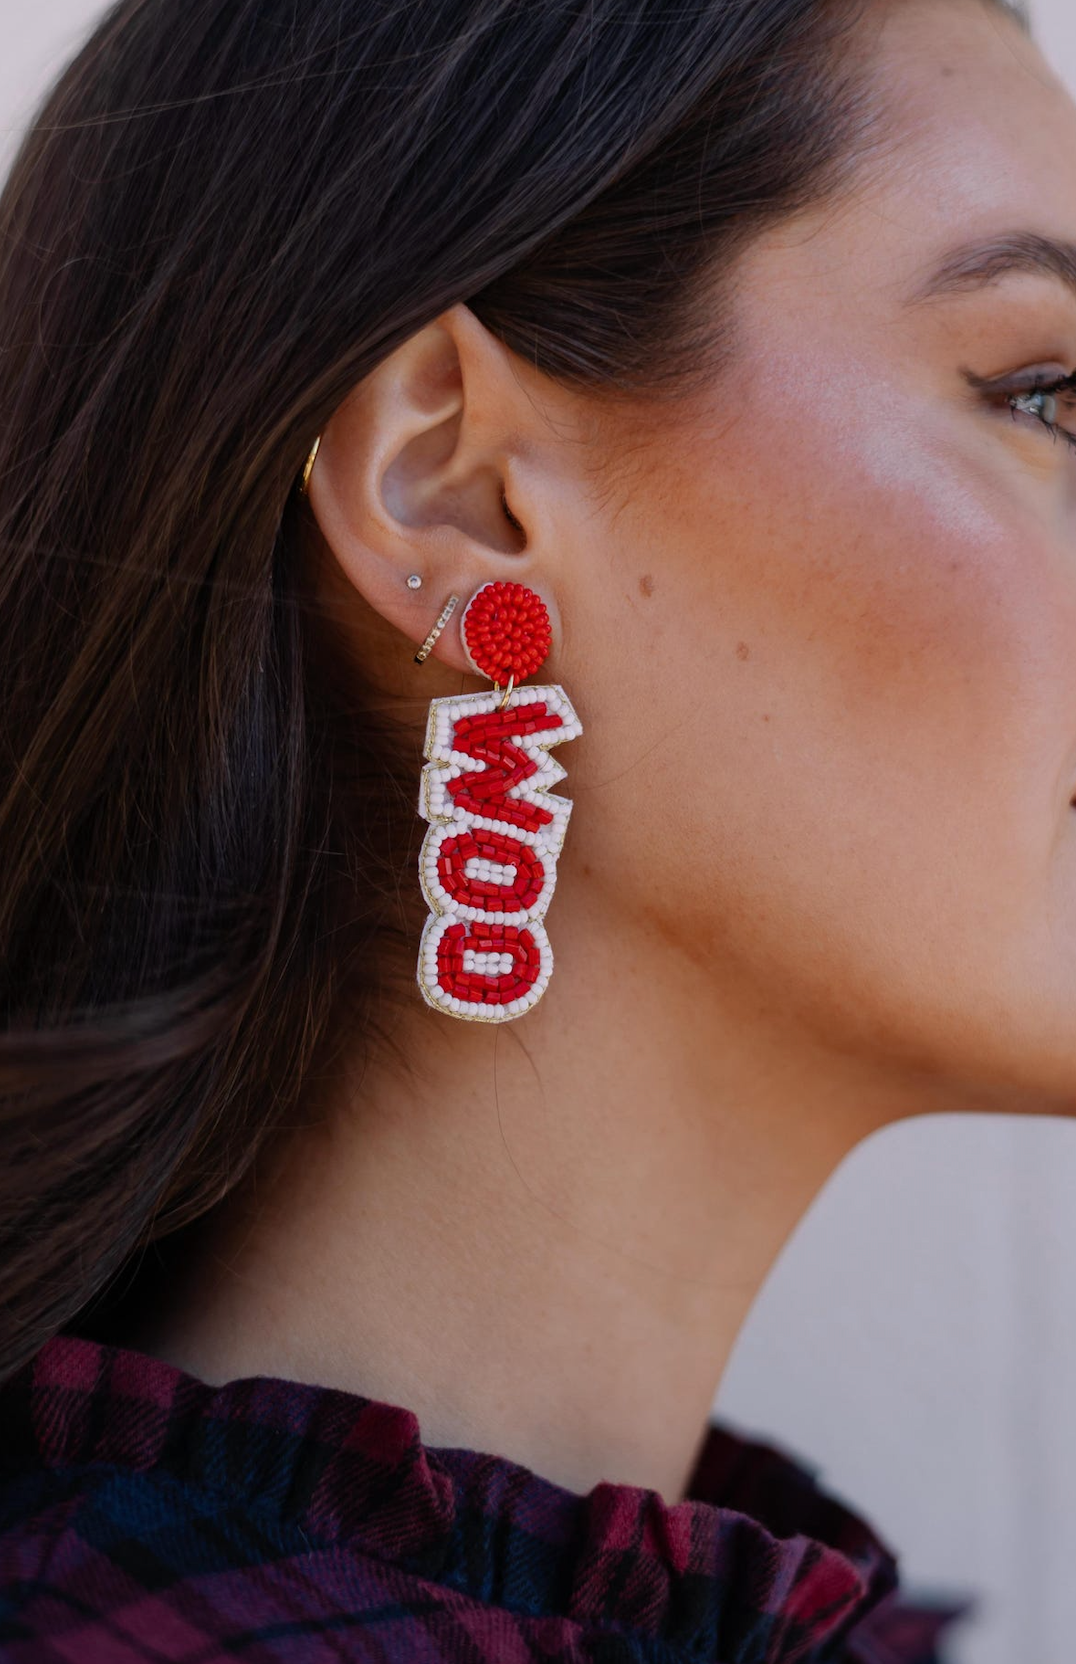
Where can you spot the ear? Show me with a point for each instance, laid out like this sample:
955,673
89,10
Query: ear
432,466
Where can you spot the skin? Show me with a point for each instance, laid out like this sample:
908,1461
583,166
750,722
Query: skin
818,620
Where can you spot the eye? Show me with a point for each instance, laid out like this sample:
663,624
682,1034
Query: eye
1049,402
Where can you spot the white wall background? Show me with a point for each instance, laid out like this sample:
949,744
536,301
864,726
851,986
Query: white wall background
917,1340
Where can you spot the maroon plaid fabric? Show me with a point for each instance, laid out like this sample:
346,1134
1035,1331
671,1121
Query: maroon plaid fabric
145,1515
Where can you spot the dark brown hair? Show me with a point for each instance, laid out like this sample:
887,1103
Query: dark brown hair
224,214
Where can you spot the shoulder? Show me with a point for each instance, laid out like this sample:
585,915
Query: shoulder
105,1566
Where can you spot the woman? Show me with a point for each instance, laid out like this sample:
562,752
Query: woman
385,1190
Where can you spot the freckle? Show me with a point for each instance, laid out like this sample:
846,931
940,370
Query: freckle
947,70
586,870
765,716
742,650
646,585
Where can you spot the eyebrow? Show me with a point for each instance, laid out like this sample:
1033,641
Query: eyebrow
977,265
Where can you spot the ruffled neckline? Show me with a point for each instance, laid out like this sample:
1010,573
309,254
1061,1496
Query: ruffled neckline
758,1565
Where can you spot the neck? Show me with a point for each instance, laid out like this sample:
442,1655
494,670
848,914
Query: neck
543,1237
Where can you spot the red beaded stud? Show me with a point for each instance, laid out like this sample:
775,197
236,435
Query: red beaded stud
506,632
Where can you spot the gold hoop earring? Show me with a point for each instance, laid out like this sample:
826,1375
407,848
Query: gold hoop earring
308,468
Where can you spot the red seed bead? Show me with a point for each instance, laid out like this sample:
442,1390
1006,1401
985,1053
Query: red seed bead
506,631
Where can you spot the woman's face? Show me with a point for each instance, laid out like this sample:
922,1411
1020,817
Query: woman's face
824,646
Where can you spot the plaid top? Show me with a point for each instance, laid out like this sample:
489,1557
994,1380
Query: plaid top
146,1515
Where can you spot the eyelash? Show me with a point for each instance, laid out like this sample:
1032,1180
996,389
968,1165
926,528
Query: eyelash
1053,388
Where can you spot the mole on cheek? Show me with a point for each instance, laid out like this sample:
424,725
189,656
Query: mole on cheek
646,585
742,650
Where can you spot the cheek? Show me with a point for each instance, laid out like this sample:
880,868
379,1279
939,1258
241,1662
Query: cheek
845,708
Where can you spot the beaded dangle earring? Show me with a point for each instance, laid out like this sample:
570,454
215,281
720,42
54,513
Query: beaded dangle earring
488,860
